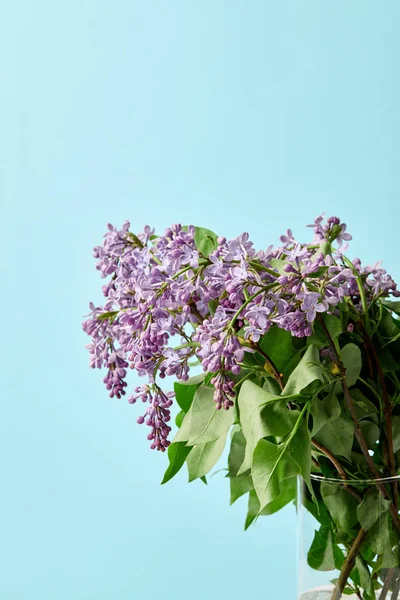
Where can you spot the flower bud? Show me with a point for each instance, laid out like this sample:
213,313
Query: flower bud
335,369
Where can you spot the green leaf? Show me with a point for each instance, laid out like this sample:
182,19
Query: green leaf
394,306
272,465
349,591
278,345
396,433
204,479
318,273
213,304
278,264
107,315
363,407
271,386
333,325
240,486
337,435
307,371
323,410
262,414
179,418
283,499
351,357
378,538
318,510
253,509
324,554
341,505
325,248
344,314
204,457
252,359
394,339
236,453
136,240
204,422
319,337
287,495
205,240
365,579
270,468
300,452
388,326
387,360
177,454
185,391
292,364
371,432
371,508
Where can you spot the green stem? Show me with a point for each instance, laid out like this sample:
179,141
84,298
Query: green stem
358,593
358,431
387,411
187,345
286,444
134,238
371,389
348,565
252,372
360,289
247,302
339,469
260,267
297,424
181,272
396,590
387,584
270,362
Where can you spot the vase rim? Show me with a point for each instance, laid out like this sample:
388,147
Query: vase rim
316,477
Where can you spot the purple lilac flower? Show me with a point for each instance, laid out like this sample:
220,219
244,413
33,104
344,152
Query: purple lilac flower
115,242
175,363
219,348
114,379
258,317
297,253
177,249
332,230
319,233
288,238
239,248
100,331
157,414
224,391
311,305
157,314
343,236
296,322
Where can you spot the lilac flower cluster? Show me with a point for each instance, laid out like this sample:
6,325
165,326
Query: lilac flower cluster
157,414
220,352
170,305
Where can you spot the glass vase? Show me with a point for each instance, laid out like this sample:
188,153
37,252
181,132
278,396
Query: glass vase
348,539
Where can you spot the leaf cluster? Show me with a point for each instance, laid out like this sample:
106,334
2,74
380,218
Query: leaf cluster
313,420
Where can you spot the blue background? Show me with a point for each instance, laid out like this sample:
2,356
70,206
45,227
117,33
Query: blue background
234,115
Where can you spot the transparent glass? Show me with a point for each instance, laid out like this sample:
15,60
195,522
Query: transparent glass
339,558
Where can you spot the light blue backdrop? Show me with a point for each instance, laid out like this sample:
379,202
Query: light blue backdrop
240,115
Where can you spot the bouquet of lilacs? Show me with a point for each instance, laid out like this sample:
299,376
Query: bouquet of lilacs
294,350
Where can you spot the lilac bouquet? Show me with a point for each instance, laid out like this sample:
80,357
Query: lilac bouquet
295,349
